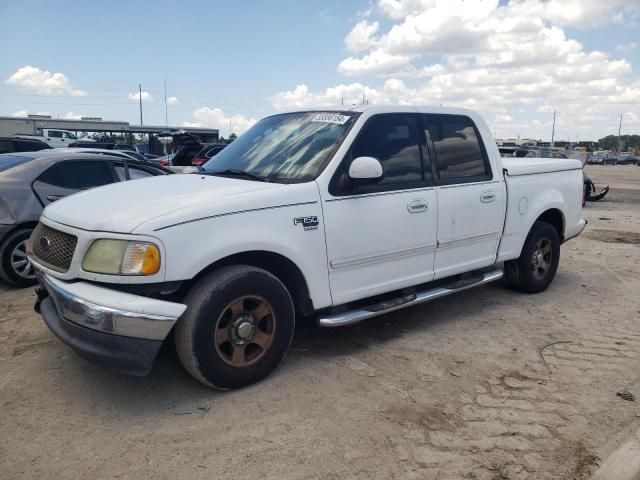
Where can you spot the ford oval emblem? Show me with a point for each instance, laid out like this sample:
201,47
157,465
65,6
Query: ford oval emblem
44,243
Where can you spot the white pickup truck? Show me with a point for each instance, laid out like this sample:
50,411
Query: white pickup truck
334,215
54,137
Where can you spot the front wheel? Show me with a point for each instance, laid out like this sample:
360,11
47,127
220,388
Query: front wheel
15,267
237,328
536,267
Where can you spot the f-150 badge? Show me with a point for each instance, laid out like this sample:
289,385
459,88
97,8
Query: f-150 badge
309,223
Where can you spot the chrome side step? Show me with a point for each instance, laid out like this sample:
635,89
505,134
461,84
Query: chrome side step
380,308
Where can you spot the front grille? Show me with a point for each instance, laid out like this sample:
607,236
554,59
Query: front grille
53,248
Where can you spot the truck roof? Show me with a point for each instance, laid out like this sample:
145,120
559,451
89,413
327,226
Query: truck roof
388,109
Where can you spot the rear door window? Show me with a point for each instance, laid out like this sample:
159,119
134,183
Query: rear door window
460,156
78,175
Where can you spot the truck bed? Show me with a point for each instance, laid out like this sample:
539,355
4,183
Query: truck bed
532,166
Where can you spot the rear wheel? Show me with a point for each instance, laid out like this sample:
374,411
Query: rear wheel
237,328
536,267
15,267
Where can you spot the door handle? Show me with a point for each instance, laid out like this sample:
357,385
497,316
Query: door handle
417,206
488,196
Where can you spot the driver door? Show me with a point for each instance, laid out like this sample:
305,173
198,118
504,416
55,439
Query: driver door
382,237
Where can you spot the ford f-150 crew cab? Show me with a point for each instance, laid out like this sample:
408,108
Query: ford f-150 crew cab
335,215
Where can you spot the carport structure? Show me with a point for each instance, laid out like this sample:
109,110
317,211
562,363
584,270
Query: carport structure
33,125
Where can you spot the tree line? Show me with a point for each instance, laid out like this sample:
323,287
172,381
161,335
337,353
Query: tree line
627,142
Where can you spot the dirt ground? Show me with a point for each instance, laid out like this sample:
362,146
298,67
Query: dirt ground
488,384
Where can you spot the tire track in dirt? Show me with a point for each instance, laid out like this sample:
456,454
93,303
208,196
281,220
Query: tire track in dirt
516,419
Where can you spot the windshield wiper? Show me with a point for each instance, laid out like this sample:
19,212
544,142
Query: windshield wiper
239,173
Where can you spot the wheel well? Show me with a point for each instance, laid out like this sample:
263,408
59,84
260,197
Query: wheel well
554,218
18,227
276,264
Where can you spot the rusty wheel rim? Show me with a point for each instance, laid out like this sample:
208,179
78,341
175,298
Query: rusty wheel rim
244,331
541,258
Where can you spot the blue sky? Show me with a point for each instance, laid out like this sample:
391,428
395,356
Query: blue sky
238,62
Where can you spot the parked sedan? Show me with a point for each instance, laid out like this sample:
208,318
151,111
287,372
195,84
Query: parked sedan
30,181
101,145
128,154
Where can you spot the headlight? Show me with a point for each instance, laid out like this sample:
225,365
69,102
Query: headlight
122,257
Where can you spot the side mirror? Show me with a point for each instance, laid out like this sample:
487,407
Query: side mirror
367,169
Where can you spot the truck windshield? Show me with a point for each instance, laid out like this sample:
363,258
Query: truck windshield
292,147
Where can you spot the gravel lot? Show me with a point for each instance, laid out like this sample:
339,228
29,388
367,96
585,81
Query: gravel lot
458,388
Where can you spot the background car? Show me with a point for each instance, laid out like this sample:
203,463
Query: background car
188,146
30,181
626,158
207,153
14,144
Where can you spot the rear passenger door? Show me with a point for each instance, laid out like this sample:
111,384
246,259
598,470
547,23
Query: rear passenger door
471,202
68,177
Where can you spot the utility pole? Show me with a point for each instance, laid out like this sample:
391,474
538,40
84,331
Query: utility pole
553,130
166,121
619,128
140,100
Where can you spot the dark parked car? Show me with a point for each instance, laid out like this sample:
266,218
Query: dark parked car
30,181
102,145
207,153
11,144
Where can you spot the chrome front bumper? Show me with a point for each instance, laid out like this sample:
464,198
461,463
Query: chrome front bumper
111,311
117,330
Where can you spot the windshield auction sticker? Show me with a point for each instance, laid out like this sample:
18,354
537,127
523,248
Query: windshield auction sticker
331,118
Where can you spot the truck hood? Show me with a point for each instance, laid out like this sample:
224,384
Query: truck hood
121,207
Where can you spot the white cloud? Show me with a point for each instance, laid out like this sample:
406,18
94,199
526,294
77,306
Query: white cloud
626,47
362,36
43,82
146,96
172,101
512,61
75,116
25,113
216,118
378,61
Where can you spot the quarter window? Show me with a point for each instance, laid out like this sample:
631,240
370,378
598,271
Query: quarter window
134,172
393,140
457,147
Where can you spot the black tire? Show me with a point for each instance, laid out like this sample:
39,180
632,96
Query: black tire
522,274
11,267
209,305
